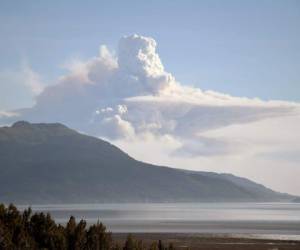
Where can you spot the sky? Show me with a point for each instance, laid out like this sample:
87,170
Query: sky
203,85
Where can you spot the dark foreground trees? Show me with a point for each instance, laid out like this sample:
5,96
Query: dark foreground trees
24,230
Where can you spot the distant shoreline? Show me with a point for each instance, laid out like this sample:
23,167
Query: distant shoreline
226,236
211,241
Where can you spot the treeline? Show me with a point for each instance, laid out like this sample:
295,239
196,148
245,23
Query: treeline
25,230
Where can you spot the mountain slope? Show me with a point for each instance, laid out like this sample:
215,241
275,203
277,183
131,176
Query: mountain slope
50,163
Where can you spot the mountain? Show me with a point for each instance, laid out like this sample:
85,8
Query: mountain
296,200
50,163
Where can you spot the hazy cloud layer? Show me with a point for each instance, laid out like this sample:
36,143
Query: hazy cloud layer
19,87
131,96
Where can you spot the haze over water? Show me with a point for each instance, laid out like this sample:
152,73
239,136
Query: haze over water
279,220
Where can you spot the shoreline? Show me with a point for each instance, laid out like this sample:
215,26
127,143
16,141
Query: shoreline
210,241
245,236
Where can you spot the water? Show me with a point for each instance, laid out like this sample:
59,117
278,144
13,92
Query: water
276,220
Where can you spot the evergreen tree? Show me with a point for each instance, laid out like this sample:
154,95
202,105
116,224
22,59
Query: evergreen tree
98,238
129,243
70,233
171,247
27,231
153,246
160,245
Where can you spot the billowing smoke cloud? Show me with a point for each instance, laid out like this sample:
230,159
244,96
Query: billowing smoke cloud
132,95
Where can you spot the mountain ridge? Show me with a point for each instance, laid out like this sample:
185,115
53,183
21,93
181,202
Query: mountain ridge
49,162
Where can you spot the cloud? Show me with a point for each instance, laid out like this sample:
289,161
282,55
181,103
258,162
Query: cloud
128,98
31,79
5,114
264,151
19,87
131,95
204,146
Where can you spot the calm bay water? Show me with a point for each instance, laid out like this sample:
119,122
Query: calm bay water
281,220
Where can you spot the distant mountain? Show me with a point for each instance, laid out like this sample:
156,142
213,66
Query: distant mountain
50,163
296,200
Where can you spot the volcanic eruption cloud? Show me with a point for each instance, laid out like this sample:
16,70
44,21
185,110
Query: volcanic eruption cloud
128,97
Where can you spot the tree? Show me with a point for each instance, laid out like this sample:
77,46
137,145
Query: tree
153,246
39,231
70,233
129,243
171,247
160,245
80,236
